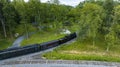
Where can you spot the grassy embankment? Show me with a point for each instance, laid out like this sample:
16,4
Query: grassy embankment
84,50
4,44
41,37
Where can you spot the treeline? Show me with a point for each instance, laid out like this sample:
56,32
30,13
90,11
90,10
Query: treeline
100,19
94,17
21,17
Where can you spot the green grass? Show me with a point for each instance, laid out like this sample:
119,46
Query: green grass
84,50
41,37
55,56
4,44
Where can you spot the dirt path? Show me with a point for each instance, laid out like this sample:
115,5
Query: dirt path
17,42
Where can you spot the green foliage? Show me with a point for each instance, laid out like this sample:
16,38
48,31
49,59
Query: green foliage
91,17
108,5
74,15
5,44
18,12
112,37
21,31
10,18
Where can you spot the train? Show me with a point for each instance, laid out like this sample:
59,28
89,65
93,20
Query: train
19,51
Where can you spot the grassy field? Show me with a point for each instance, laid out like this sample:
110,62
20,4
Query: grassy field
79,50
4,44
84,50
41,37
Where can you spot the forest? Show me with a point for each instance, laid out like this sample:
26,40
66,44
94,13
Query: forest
95,21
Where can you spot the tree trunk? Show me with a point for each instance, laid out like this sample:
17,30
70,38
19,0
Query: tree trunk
4,29
108,48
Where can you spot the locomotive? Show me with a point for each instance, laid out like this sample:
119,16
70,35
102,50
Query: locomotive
19,51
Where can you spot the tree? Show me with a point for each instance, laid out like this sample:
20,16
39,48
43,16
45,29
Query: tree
108,6
34,11
2,18
74,14
91,19
21,8
113,37
10,18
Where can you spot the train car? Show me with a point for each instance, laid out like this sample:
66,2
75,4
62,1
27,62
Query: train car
49,44
19,52
16,48
9,49
67,38
14,52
